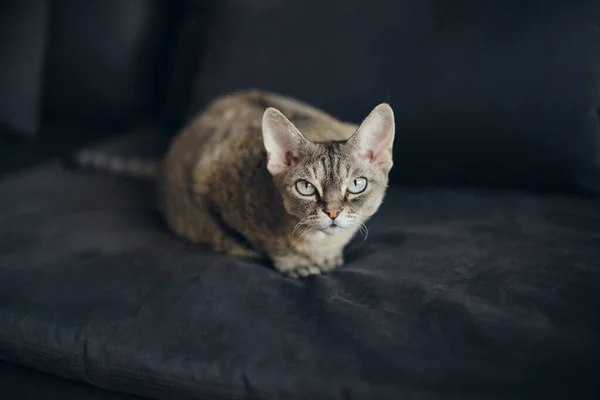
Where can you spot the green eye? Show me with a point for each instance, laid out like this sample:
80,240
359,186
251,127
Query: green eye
305,188
357,185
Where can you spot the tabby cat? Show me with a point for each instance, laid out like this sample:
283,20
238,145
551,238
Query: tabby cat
265,176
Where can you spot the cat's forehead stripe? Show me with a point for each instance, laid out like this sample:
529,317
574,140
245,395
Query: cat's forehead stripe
332,162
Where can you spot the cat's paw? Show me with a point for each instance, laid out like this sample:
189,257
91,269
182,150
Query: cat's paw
303,271
319,267
301,266
296,266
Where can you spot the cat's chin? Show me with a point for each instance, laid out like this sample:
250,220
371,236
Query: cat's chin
332,230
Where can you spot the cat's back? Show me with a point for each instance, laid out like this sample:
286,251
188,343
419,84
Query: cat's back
229,129
212,135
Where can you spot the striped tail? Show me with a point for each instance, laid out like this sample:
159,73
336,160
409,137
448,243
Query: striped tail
130,167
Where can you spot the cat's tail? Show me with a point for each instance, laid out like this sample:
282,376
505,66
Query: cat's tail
130,167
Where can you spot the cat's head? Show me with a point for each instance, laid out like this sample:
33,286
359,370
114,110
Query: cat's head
331,186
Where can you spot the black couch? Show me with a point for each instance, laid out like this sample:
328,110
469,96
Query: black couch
480,277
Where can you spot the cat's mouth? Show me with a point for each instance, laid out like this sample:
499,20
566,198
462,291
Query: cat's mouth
332,229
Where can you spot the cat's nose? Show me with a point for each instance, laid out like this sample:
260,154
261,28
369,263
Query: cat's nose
332,213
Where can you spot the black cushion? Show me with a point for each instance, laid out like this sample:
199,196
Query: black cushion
22,383
23,40
497,93
454,293
106,60
103,62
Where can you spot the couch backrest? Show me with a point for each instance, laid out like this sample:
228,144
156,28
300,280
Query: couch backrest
502,92
95,62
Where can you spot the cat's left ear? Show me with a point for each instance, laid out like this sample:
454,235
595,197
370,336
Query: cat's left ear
374,138
283,141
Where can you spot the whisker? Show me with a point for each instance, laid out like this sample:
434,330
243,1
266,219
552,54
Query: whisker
298,225
365,230
308,229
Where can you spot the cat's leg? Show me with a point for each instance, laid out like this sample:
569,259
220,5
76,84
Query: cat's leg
230,246
223,242
199,226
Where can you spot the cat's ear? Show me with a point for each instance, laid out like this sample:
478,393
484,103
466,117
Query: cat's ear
374,138
282,140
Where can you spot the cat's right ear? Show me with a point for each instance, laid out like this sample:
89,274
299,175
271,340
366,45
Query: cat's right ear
283,141
374,138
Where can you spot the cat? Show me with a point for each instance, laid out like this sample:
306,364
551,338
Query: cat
261,175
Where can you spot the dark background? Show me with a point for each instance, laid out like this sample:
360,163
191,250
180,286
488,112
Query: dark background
501,92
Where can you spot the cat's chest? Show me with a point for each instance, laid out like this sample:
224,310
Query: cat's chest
322,242
315,237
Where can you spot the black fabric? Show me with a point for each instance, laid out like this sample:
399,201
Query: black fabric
23,39
455,294
194,20
19,383
102,62
499,92
107,60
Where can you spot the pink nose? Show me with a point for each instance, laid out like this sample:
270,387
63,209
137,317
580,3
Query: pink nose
332,213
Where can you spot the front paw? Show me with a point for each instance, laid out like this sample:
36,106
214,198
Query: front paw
303,271
303,266
296,266
324,265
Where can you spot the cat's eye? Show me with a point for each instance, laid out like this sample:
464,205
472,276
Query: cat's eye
357,185
305,188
